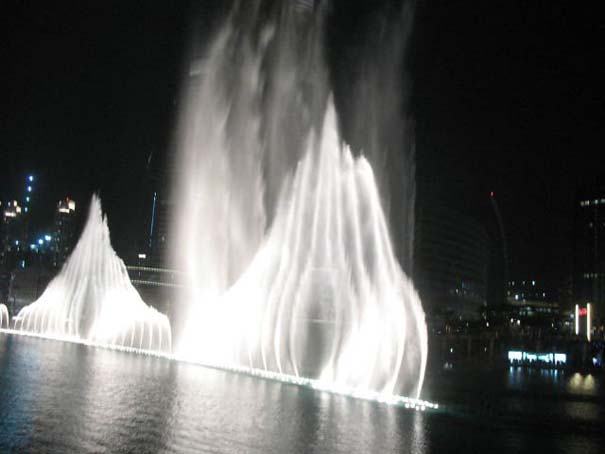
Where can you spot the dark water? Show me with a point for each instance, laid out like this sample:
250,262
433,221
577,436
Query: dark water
57,397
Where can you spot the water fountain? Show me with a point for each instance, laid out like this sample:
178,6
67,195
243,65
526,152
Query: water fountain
4,317
280,229
92,301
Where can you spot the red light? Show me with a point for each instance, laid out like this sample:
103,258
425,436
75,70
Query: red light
491,194
582,311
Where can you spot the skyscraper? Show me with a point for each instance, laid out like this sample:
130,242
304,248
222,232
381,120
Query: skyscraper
64,236
589,249
451,263
12,232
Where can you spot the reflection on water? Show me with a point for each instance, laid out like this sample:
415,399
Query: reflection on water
582,384
70,398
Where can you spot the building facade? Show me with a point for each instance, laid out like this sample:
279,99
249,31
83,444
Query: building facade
451,255
589,250
64,231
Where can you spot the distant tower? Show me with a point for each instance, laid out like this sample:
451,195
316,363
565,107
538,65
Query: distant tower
12,232
589,250
64,230
492,198
499,263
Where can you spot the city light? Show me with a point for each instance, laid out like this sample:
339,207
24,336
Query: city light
40,241
550,358
142,256
577,319
29,189
30,178
47,237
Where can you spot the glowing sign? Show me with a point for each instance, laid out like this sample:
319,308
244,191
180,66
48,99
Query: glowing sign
550,358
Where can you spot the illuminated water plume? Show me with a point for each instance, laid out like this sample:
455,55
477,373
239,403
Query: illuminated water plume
93,301
307,286
4,317
324,295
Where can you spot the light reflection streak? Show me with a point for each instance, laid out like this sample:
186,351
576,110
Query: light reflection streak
316,384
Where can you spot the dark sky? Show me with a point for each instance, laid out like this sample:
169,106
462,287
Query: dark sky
507,96
88,93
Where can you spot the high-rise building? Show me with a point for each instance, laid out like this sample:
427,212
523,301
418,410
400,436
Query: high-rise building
64,235
12,232
589,250
451,263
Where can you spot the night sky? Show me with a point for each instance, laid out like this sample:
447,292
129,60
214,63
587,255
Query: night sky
507,96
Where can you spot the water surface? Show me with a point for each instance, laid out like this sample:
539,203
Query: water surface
60,397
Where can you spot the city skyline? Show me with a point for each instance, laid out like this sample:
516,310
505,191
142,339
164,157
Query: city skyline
95,128
302,226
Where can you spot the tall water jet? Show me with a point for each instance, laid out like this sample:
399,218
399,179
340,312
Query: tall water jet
92,300
4,317
303,282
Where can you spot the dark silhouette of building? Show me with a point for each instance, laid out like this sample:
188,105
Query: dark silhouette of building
589,249
451,263
159,226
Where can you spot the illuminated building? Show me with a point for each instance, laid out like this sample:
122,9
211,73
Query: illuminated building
12,231
530,298
589,249
64,235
